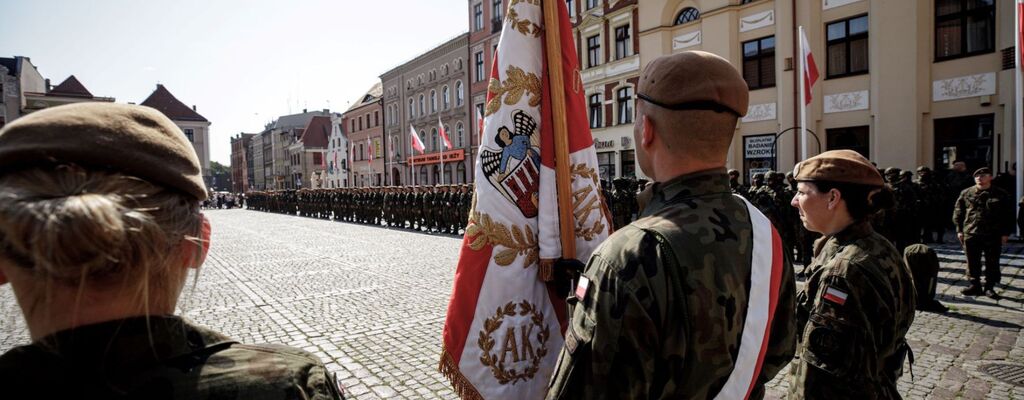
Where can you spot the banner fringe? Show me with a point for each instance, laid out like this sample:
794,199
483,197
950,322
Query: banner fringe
460,384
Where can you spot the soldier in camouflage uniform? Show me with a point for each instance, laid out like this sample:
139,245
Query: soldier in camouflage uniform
983,218
623,203
735,185
858,301
756,183
931,197
660,306
902,223
100,311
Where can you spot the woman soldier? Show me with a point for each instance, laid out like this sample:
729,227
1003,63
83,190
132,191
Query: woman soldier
858,301
99,226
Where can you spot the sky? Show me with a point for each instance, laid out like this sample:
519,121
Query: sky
241,63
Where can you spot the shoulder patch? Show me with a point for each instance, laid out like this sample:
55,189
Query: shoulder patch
835,295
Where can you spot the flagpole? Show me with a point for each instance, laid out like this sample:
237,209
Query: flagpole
1019,107
553,48
802,67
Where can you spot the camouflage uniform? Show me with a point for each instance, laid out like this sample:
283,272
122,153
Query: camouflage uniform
114,360
983,217
852,346
663,314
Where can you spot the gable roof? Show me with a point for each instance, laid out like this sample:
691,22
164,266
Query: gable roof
71,87
317,132
162,99
371,96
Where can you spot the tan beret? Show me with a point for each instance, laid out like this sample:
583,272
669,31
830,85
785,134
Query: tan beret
135,140
694,77
843,166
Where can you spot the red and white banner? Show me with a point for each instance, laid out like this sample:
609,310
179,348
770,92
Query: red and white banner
417,143
810,67
765,282
504,326
444,134
369,149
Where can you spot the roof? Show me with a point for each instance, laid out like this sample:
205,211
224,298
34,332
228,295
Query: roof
162,99
296,120
317,132
71,87
370,96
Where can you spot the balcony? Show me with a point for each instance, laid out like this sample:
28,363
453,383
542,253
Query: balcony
618,67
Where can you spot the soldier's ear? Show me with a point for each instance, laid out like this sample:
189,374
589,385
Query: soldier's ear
646,130
833,199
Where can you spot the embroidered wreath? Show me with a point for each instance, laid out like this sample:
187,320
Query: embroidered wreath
486,342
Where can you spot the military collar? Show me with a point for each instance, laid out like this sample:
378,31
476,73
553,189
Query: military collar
855,231
136,341
709,181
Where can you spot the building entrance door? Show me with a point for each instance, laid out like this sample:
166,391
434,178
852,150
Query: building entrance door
967,139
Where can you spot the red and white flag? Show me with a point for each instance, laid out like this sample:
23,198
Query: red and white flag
479,123
417,143
444,134
810,67
369,149
504,326
351,154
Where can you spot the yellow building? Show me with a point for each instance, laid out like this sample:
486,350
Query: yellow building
905,82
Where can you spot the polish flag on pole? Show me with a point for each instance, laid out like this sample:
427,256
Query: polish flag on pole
1018,106
809,72
537,199
417,143
444,134
479,123
369,149
351,154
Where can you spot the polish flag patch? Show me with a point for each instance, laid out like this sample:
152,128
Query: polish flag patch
581,288
835,295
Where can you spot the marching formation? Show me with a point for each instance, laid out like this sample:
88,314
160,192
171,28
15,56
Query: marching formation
440,208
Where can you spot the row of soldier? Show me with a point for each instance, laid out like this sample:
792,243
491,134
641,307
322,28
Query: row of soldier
440,208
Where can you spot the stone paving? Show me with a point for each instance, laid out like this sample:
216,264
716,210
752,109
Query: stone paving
371,301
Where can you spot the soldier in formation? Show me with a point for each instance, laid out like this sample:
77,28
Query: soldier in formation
983,218
440,209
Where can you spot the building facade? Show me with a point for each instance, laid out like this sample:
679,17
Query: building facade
337,155
365,127
195,127
307,156
24,90
486,18
272,154
241,162
423,95
906,83
606,43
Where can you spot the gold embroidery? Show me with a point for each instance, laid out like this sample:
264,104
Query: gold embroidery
517,84
524,26
521,350
516,241
584,202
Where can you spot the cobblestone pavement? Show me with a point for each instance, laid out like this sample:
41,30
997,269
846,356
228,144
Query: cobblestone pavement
371,301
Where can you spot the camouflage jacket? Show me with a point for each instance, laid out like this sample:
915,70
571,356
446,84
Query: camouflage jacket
169,359
663,313
983,213
853,314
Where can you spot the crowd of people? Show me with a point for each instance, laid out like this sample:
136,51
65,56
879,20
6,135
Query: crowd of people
224,200
694,296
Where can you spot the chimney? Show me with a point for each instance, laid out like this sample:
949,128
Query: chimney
48,87
193,107
303,110
327,111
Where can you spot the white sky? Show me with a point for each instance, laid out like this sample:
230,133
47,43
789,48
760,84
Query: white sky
242,63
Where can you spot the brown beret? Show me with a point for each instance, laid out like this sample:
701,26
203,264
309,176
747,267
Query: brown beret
983,171
694,77
843,166
135,140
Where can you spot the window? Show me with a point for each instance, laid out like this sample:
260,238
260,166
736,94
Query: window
592,3
478,17
352,125
571,6
190,135
433,101
606,165
318,158
964,28
376,118
628,163
625,105
847,47
593,51
496,16
854,138
460,96
412,107
446,97
433,139
423,105
362,153
689,14
759,63
460,133
478,64
623,44
360,122
595,105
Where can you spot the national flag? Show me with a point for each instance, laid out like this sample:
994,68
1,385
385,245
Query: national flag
351,154
810,67
479,123
1020,30
417,143
504,327
369,149
835,295
444,135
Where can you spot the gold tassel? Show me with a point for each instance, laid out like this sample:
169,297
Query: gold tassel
450,370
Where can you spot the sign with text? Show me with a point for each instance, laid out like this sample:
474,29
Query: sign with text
758,154
434,158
